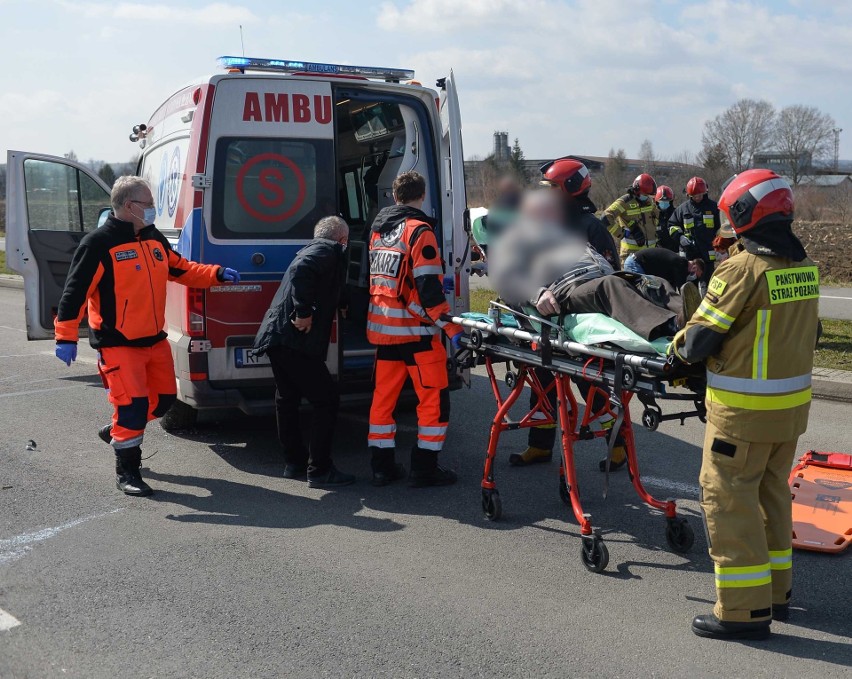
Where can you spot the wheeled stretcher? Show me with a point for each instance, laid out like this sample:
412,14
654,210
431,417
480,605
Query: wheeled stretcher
524,342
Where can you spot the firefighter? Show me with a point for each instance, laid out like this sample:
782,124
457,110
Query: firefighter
756,330
118,276
665,207
633,217
404,320
694,225
572,178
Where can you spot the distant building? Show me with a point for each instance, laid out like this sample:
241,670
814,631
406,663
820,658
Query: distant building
782,163
501,152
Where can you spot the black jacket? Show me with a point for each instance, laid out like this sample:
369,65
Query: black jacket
664,264
580,214
701,235
312,286
664,238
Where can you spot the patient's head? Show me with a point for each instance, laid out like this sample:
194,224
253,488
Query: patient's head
543,207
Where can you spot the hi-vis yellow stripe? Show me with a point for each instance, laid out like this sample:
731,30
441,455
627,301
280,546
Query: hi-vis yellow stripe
743,576
716,316
758,402
781,560
760,352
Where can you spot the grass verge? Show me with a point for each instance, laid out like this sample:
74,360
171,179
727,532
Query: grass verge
835,346
479,300
3,268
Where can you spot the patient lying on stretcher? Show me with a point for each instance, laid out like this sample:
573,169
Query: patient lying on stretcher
541,261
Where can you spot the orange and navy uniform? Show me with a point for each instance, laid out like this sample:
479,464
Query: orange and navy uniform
118,279
404,320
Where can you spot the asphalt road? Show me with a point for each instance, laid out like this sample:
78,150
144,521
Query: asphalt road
231,571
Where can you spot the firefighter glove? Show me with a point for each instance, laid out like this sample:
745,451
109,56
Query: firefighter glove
66,352
685,242
638,235
229,275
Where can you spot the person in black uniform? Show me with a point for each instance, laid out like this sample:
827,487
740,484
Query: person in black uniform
694,225
664,199
295,332
665,264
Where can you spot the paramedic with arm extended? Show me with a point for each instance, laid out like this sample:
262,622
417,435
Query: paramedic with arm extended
118,276
756,330
295,333
404,321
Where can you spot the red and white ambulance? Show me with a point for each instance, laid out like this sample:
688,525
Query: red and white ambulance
242,165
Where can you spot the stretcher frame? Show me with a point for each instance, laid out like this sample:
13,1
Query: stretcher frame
615,374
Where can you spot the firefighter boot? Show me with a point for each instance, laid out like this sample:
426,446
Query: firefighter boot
385,469
690,299
128,474
619,451
711,627
425,470
531,455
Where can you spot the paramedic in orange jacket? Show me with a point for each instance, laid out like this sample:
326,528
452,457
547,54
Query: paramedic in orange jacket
404,321
118,277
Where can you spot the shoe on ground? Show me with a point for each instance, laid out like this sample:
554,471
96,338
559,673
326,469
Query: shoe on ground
781,612
333,478
437,476
690,299
128,475
618,461
105,434
531,455
296,472
710,627
384,477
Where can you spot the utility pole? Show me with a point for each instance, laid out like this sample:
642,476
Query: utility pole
837,132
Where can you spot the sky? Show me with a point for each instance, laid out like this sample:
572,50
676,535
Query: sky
563,76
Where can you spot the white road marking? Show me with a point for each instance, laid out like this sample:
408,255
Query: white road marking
7,621
684,489
9,327
14,548
21,355
830,297
40,391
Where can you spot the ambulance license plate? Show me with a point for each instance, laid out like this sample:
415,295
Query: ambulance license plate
246,358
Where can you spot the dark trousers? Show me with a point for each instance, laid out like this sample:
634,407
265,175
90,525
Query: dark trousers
616,297
298,376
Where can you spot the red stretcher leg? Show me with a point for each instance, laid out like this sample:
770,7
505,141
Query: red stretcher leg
569,489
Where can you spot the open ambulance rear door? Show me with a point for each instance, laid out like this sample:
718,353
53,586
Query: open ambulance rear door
51,203
455,227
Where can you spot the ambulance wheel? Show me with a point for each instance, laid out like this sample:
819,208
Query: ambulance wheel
595,555
564,490
679,535
179,416
492,505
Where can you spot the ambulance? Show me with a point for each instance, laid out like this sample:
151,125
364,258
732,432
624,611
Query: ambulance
242,165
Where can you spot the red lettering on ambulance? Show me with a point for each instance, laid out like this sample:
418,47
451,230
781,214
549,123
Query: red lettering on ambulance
301,109
277,107
322,109
251,108
264,179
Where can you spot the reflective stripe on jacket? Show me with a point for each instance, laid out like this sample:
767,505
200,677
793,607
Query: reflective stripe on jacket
626,216
759,379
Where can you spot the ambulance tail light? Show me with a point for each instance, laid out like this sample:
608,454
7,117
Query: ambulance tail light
195,325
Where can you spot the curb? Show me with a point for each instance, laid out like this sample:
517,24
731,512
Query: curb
8,281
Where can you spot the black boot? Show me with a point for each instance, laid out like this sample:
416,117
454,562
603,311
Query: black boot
128,475
781,612
711,627
105,434
385,469
426,472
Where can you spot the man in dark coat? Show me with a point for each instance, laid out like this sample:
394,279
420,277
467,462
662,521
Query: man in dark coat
295,333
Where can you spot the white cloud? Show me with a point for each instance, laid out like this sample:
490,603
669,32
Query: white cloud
217,13
453,15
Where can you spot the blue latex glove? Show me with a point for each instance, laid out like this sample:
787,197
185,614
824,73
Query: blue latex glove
456,341
230,275
66,352
449,284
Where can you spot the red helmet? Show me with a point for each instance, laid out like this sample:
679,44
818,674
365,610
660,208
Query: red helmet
696,187
664,193
567,174
753,198
644,185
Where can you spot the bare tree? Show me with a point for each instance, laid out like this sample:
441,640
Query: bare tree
741,131
612,181
803,134
714,167
646,155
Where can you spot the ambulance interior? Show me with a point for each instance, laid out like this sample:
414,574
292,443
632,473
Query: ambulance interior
376,141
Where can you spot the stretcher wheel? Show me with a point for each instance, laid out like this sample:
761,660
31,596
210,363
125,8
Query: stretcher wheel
679,535
628,378
595,555
511,379
492,505
476,338
650,419
564,490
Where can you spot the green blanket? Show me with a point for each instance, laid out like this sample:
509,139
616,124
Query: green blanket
594,329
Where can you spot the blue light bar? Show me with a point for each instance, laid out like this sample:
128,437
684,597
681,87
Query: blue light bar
284,66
